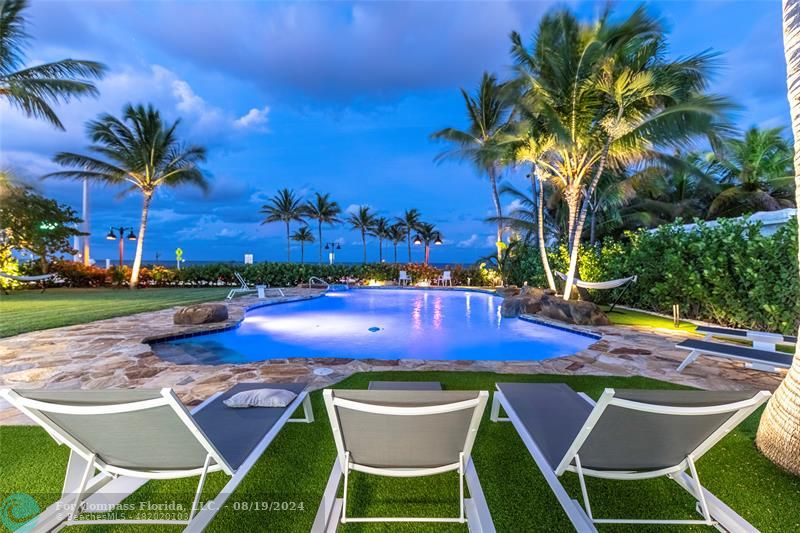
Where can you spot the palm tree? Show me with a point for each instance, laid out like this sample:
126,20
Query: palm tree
362,220
35,89
303,235
380,229
324,211
397,234
755,172
483,142
778,434
409,222
611,97
427,234
284,207
141,152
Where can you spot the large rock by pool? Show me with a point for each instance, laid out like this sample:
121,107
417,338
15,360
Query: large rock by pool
545,302
201,314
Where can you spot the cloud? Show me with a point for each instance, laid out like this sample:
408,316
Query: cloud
471,242
254,118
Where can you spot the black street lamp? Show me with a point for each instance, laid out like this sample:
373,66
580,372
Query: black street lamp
120,235
332,247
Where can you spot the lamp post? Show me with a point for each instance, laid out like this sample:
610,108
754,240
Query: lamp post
332,247
437,241
121,237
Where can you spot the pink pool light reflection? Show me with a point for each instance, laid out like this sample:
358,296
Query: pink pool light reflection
387,324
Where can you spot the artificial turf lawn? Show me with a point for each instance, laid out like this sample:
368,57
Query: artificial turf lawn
629,317
296,466
28,310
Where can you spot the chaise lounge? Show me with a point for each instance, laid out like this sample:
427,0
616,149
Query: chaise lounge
392,430
767,360
132,436
626,435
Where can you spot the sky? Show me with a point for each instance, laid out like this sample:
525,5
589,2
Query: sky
330,97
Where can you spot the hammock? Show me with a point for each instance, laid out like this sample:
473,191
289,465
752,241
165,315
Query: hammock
603,285
27,279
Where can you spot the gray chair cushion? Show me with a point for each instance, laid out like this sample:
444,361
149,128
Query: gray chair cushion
742,352
552,413
405,385
235,432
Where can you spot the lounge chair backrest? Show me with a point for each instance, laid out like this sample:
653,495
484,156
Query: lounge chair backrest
127,430
403,274
392,429
446,274
241,280
641,430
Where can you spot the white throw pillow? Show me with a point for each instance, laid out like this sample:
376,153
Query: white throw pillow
261,398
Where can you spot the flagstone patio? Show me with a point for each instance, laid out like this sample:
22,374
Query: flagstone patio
114,353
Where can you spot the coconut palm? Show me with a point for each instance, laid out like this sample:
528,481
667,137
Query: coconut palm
778,434
302,235
381,229
409,222
611,97
397,234
362,220
284,207
427,234
140,151
34,89
483,142
755,172
324,211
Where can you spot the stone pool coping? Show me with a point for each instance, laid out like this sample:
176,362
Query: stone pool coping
112,353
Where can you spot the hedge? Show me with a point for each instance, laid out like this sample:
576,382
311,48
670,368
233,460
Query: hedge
729,274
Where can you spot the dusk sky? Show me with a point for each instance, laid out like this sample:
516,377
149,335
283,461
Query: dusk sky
328,97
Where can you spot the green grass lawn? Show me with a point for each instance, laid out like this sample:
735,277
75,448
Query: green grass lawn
296,466
23,311
627,317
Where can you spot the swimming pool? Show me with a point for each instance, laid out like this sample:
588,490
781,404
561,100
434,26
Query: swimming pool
381,324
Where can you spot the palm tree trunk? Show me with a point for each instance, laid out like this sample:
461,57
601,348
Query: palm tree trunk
137,259
408,240
497,207
288,244
593,227
302,252
380,250
778,434
551,282
395,253
581,220
319,235
364,242
427,253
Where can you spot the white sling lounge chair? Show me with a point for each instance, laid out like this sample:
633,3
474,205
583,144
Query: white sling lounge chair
403,278
445,279
245,288
626,435
404,433
761,340
604,285
767,360
132,436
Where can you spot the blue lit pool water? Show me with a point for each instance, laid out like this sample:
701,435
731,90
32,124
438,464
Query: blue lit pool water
383,324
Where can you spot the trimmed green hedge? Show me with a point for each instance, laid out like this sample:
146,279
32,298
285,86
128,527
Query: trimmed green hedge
729,274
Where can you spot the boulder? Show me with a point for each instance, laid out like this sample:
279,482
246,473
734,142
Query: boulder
505,292
513,306
573,312
201,314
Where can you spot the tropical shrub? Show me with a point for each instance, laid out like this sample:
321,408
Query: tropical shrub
78,275
730,274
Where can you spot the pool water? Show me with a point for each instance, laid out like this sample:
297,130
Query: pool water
384,324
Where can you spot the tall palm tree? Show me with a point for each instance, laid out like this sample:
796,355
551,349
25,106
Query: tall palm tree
409,222
483,142
324,211
34,89
427,233
362,220
778,434
302,235
397,234
140,151
381,229
611,96
284,207
755,173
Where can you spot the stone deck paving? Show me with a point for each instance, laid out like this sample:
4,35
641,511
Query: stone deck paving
110,353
